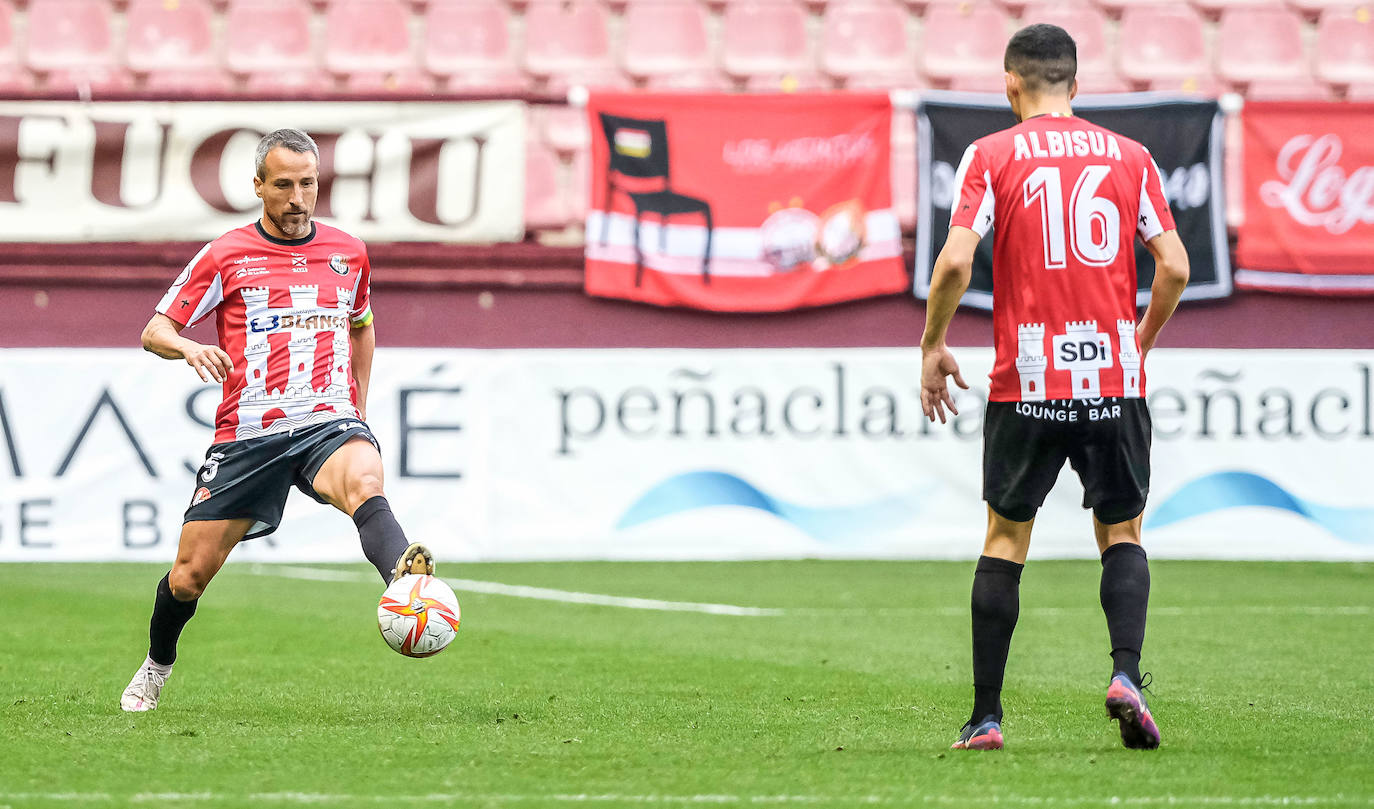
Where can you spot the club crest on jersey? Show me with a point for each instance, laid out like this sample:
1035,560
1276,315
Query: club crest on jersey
202,494
338,262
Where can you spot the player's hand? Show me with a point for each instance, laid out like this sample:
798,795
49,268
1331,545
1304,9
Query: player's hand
936,364
209,361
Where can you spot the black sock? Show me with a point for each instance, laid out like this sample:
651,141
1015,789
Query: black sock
169,616
996,604
382,537
1125,595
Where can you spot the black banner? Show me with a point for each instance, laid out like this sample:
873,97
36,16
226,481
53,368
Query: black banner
1184,136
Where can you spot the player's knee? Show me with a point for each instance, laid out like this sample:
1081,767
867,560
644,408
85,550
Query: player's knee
187,582
364,487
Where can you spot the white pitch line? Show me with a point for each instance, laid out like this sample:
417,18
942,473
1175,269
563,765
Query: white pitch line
299,798
537,593
598,599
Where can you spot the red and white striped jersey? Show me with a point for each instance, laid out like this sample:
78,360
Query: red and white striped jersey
284,310
1066,198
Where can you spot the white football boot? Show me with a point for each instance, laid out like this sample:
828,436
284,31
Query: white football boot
415,560
145,688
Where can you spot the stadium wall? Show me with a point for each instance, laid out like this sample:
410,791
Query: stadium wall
690,454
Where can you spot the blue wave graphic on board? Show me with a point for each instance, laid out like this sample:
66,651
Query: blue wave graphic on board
694,490
1223,490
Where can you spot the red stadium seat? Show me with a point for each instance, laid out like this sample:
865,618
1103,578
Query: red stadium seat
13,77
544,206
563,36
705,80
801,82
1163,45
1214,8
579,185
467,44
1363,93
964,42
1117,7
367,38
1345,46
1314,7
169,37
70,35
564,128
212,81
1087,25
666,38
1303,88
1260,43
267,37
867,41
765,39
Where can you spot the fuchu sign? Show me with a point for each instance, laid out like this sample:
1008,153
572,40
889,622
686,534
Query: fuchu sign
160,171
1309,198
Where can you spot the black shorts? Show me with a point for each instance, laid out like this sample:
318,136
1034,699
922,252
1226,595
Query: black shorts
1106,441
251,478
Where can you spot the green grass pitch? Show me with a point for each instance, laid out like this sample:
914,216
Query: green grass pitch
284,694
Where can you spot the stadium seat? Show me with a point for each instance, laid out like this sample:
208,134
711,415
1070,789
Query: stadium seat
964,42
70,35
567,36
544,206
666,38
467,45
563,127
368,38
212,81
579,185
1214,8
169,37
1163,45
867,41
276,55
765,39
1087,25
807,81
1117,7
1312,8
1363,93
13,77
1345,46
1259,43
1299,88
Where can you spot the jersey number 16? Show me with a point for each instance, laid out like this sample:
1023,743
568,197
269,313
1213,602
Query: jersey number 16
1094,223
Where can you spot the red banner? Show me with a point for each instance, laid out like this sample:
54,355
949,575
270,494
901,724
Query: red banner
742,203
1309,198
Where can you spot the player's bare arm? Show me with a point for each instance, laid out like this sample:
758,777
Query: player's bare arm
948,281
162,336
1171,276
363,341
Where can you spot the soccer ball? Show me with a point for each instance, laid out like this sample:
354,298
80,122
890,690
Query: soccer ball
418,615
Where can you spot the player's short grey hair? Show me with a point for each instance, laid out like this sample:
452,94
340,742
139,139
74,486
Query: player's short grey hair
293,139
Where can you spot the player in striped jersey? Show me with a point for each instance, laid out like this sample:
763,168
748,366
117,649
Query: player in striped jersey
294,318
1066,199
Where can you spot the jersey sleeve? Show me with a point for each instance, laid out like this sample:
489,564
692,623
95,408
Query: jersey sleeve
1155,216
361,313
196,292
973,198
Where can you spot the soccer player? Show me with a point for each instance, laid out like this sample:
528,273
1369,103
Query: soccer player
292,311
1065,198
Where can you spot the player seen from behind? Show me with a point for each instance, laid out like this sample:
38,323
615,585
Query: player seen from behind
294,319
1066,199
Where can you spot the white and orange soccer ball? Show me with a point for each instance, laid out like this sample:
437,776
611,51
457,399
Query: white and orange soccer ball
418,615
